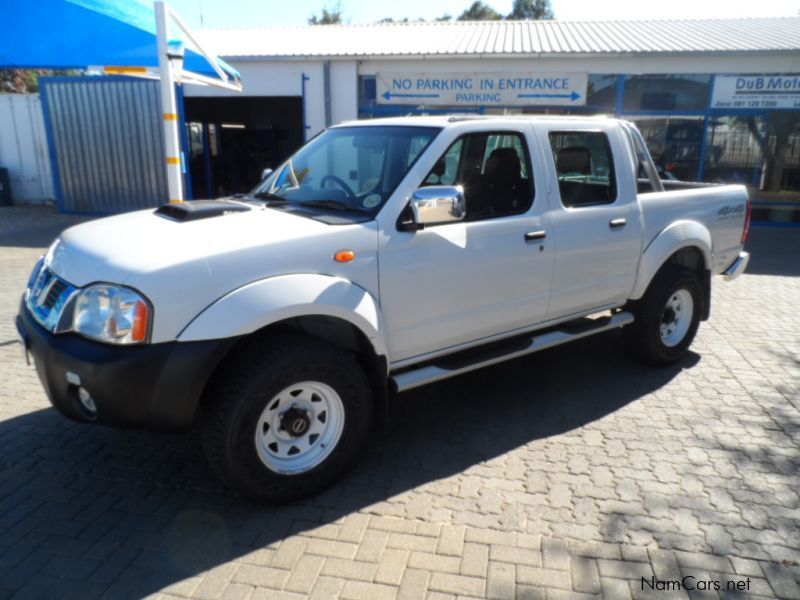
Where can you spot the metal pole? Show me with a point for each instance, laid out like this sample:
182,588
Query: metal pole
326,80
306,126
701,169
168,107
619,95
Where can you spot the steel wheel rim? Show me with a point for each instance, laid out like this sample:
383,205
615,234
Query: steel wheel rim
676,318
280,444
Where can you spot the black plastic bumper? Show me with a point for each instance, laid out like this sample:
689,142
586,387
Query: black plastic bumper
155,386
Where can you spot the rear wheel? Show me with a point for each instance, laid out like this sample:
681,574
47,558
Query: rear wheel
667,317
285,417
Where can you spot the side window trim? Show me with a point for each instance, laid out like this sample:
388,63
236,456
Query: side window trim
613,176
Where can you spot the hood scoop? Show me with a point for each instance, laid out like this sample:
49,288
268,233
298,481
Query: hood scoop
194,210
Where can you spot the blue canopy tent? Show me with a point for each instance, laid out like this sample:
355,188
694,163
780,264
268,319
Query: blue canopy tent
130,37
76,34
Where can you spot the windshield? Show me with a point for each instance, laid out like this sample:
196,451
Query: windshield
348,168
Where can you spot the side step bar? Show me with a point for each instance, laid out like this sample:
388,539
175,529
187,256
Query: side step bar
445,367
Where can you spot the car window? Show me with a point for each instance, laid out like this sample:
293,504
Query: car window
585,168
356,167
494,170
445,171
416,145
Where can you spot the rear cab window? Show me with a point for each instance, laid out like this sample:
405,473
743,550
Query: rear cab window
585,168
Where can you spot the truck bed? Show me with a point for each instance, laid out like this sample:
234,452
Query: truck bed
721,209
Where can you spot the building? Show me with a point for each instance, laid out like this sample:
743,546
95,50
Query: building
717,100
699,90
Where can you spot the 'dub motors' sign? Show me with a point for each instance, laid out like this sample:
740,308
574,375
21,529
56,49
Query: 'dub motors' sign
465,89
756,91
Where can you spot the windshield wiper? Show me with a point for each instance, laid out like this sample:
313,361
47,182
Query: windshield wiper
334,205
269,196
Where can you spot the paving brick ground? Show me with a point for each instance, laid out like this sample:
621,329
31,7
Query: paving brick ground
573,473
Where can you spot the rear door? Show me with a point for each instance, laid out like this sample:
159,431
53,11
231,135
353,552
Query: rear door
595,217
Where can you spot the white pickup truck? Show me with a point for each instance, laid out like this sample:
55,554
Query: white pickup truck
382,256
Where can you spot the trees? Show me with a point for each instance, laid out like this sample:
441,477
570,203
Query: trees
531,9
445,17
329,16
13,81
479,11
26,81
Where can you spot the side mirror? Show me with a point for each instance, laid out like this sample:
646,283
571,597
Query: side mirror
437,205
266,173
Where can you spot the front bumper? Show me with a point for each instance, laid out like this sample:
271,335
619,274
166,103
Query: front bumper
154,386
737,267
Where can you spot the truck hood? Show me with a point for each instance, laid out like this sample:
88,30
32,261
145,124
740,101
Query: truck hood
182,267
115,248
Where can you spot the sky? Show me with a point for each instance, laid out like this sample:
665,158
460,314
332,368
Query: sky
264,13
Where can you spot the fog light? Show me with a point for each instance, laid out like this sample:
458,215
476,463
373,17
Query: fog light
87,400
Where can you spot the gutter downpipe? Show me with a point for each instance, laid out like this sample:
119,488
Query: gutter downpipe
326,81
306,126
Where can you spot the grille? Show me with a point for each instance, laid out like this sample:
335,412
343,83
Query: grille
55,291
47,297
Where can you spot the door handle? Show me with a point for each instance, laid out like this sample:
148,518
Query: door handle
617,223
535,235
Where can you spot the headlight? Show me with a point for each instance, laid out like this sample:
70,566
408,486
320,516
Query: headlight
112,314
34,274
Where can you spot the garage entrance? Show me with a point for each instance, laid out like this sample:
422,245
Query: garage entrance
232,140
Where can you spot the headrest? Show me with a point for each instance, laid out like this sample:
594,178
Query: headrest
503,163
440,167
574,159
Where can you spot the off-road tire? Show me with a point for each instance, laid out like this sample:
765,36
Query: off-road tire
238,393
643,337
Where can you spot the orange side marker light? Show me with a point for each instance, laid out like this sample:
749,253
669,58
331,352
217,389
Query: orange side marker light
140,317
344,256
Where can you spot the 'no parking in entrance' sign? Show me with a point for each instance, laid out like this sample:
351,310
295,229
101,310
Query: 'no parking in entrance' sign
485,89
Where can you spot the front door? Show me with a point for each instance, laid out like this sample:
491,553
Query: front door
456,283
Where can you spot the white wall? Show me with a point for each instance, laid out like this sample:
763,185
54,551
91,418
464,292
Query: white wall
261,78
277,78
344,91
283,78
24,150
315,99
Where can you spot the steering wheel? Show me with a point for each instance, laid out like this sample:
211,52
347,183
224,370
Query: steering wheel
340,182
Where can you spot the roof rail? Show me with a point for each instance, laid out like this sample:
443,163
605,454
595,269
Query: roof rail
457,118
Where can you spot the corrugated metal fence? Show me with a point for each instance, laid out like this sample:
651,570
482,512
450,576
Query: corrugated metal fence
23,148
107,140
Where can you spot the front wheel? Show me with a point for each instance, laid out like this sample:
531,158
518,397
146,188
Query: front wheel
667,317
285,417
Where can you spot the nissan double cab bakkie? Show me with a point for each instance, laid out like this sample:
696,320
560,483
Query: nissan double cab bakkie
382,256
